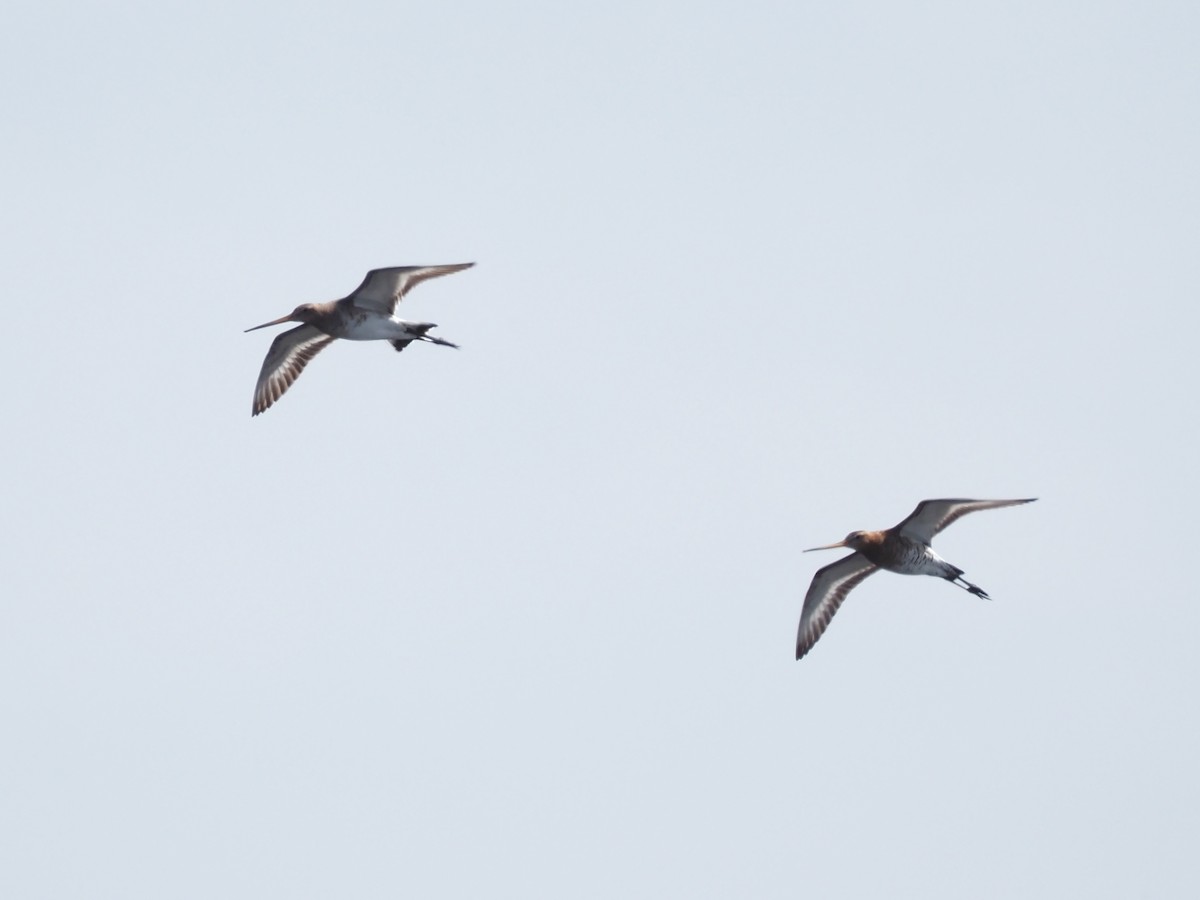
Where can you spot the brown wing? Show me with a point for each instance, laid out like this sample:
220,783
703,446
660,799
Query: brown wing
382,289
289,354
931,516
828,589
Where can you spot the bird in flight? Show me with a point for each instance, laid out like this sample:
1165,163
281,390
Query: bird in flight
905,549
368,314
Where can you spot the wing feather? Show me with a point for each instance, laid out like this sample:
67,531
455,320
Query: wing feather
932,516
828,589
382,289
290,352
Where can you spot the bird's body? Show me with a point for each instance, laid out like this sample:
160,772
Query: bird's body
895,552
904,549
368,314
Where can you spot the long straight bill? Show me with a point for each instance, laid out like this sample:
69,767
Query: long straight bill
278,321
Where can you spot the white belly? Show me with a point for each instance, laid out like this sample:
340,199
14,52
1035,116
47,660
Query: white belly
926,563
376,327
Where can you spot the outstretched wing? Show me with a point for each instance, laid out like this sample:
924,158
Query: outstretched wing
382,289
931,516
828,589
289,354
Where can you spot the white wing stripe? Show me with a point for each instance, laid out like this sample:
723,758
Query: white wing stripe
829,588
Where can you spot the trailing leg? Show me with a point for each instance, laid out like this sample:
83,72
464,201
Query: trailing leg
959,581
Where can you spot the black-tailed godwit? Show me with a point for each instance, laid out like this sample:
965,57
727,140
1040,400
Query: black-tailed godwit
904,549
368,314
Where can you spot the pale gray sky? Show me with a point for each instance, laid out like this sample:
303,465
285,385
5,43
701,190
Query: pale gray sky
518,620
